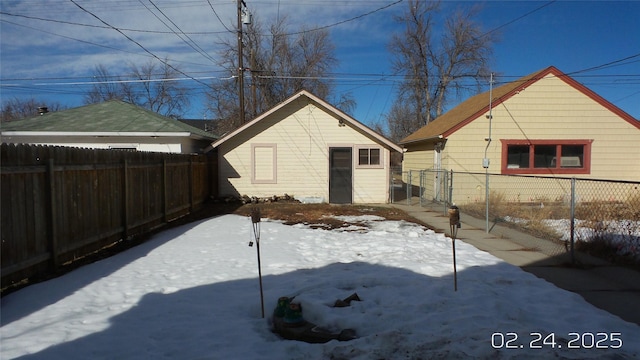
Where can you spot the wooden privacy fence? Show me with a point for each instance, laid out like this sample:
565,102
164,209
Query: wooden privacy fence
61,203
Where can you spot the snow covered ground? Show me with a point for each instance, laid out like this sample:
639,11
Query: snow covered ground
192,292
623,234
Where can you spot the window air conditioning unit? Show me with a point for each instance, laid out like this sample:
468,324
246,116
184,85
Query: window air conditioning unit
567,161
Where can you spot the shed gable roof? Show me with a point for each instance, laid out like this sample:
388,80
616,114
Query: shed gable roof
320,103
113,116
475,106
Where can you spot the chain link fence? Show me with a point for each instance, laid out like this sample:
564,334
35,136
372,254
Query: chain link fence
601,217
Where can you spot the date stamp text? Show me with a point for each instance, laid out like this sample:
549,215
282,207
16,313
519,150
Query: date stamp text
572,340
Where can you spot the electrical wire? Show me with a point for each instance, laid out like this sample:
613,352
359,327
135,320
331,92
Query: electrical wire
192,44
71,38
603,66
343,21
519,18
355,79
106,27
140,45
217,16
93,43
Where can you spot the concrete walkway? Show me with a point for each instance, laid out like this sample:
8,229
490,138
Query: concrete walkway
609,287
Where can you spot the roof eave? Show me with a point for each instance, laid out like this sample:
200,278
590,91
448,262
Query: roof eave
327,106
100,133
437,137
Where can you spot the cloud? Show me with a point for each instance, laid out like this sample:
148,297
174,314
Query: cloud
58,38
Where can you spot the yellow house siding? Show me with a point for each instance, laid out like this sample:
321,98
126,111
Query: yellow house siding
369,182
303,139
548,109
419,157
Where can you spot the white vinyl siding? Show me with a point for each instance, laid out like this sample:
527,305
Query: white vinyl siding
263,163
548,110
301,163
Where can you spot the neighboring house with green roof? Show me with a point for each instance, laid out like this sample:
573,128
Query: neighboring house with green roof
113,124
544,124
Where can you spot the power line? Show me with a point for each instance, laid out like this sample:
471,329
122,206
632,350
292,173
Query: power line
220,20
69,38
345,21
139,45
91,76
106,27
192,44
89,42
518,18
345,78
123,81
603,66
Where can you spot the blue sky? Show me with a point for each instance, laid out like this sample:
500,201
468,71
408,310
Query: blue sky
48,52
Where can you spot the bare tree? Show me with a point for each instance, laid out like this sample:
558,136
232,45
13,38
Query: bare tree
436,68
401,120
152,86
106,87
165,97
16,109
279,65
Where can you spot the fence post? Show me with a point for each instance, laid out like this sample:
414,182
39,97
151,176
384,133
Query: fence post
444,186
409,188
125,199
450,183
53,238
191,183
391,183
164,189
573,219
486,195
421,183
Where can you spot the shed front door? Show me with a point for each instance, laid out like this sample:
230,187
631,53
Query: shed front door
340,175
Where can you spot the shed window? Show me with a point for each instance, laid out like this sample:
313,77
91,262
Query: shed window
263,163
369,157
541,156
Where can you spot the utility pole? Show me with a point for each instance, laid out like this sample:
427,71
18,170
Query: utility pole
253,84
242,18
240,65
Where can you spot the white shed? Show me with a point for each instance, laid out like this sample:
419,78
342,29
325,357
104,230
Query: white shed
308,149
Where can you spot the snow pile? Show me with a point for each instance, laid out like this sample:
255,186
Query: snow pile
623,235
193,293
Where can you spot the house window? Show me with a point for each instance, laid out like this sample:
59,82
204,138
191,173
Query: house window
123,148
370,157
263,163
546,156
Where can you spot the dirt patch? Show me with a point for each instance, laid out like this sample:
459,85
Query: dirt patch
322,215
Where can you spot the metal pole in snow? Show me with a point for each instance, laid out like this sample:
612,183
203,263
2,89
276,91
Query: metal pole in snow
454,229
454,223
573,219
255,220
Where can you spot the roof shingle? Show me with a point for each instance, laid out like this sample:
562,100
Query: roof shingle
470,109
110,116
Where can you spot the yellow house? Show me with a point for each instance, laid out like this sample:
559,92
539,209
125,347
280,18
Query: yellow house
308,149
544,124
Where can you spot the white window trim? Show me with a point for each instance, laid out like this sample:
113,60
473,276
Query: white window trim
371,146
274,177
